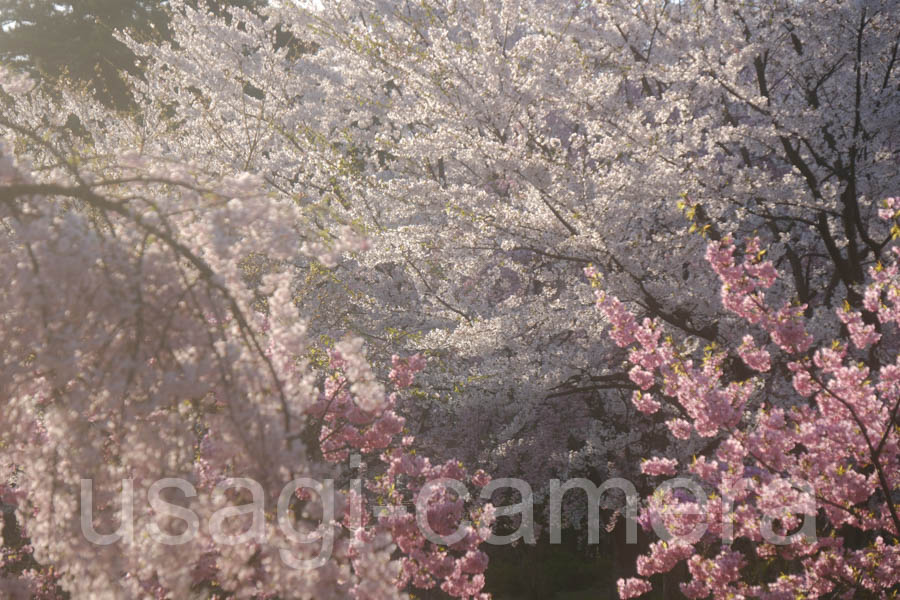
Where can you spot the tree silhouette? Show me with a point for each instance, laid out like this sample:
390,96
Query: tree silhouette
74,40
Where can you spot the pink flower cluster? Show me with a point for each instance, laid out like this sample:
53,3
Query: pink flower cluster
346,426
658,367
832,451
404,369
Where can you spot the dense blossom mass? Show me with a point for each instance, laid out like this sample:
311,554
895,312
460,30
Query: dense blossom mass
327,271
836,451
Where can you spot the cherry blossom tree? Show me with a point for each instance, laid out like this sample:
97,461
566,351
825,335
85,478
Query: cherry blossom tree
818,439
139,353
491,151
486,152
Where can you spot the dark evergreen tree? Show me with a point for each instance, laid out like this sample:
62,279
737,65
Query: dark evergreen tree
73,41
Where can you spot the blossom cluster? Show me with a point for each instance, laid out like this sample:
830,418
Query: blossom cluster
831,452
